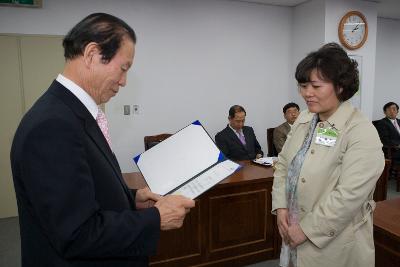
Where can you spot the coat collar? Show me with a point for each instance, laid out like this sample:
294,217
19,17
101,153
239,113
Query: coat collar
90,125
337,120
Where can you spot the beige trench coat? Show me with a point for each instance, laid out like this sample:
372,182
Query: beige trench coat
335,190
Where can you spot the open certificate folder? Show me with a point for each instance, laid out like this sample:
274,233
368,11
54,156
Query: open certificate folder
187,163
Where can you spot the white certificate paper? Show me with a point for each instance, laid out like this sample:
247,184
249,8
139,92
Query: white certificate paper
187,163
207,179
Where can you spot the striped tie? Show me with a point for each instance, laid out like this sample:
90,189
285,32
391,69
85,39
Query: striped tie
241,137
103,124
396,125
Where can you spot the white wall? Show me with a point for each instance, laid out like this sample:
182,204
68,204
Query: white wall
197,58
335,9
308,35
387,71
194,59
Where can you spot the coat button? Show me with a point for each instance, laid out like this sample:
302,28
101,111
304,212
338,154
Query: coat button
303,180
321,125
331,233
312,151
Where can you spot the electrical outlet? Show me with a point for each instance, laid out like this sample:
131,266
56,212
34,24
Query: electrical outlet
136,109
127,109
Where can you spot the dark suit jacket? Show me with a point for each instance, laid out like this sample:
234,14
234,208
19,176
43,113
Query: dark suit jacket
74,207
228,142
389,135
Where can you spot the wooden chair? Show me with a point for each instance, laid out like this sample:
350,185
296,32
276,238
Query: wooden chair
381,185
152,140
270,142
395,167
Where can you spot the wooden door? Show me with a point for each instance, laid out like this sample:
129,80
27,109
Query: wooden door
27,67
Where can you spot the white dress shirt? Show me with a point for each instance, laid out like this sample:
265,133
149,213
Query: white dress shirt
81,94
238,133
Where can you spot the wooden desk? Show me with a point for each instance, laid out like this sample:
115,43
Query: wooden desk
231,224
387,233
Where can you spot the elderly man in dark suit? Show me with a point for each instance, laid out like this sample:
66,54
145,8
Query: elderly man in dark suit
389,130
236,141
74,207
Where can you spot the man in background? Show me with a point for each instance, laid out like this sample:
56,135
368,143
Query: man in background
74,206
389,130
236,141
290,112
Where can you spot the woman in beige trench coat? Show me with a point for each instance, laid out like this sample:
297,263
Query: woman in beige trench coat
326,173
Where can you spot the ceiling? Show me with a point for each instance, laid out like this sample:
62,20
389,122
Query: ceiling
386,8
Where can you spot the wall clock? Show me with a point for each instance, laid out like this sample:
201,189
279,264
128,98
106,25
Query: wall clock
353,30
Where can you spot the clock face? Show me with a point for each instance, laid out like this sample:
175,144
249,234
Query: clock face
353,30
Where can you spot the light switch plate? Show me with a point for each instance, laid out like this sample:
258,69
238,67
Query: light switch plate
127,109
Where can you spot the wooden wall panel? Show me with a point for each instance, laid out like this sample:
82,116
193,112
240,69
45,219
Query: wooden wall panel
237,220
10,115
181,245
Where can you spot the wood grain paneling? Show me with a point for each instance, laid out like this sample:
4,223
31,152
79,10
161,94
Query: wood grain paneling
230,214
181,245
387,233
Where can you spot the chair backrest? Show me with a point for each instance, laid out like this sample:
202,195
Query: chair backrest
152,140
270,142
381,185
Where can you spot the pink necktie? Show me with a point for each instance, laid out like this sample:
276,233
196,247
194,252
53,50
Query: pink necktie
241,137
103,124
396,125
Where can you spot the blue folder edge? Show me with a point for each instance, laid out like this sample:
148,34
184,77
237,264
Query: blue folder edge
221,157
197,122
136,159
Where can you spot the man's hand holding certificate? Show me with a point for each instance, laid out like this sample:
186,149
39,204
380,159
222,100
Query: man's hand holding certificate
172,211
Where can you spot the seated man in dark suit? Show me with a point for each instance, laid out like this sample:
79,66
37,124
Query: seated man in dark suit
236,141
290,111
389,130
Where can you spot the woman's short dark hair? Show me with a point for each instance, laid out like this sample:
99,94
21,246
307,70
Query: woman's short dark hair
235,109
104,29
333,65
387,105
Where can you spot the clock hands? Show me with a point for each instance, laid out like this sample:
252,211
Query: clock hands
355,28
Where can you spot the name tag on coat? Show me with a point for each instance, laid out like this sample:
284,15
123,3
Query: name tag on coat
326,137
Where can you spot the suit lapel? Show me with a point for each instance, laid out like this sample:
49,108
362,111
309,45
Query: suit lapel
91,128
247,136
287,128
233,136
398,123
